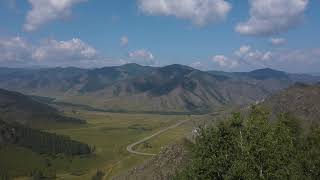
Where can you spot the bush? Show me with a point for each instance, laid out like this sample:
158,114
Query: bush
255,148
99,175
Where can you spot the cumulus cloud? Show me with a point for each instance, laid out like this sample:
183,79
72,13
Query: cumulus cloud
54,50
243,50
225,62
296,60
269,17
44,11
248,58
142,53
199,12
278,41
252,57
247,52
124,41
142,56
17,51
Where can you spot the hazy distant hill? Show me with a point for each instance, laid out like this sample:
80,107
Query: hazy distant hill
16,107
131,87
300,100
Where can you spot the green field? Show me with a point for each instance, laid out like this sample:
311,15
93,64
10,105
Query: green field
110,134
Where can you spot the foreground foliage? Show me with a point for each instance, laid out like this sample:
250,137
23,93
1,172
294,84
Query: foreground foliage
256,148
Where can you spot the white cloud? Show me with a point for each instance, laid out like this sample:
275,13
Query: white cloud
255,58
225,62
269,17
44,11
294,60
17,52
124,41
243,50
72,50
14,51
142,56
278,41
200,12
142,53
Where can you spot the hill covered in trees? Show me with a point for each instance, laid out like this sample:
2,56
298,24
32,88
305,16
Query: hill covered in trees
18,141
21,118
301,100
16,107
39,141
256,148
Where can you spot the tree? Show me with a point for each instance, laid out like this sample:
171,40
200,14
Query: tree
255,148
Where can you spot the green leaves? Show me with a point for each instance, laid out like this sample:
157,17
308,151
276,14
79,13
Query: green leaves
256,148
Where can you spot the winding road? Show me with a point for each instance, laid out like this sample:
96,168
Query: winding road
131,146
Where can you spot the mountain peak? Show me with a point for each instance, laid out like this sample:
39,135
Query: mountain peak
268,73
131,65
266,70
178,66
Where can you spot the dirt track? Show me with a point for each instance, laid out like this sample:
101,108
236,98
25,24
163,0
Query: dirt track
131,146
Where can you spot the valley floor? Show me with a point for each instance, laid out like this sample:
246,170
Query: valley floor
112,133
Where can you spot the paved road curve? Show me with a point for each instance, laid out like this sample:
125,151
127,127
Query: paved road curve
131,146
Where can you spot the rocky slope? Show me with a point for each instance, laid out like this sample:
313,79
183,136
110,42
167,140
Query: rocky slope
161,167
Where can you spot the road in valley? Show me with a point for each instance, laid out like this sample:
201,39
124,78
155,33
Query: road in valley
131,146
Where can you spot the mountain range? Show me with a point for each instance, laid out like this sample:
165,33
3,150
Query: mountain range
132,87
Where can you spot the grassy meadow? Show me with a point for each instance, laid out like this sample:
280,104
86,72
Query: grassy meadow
110,134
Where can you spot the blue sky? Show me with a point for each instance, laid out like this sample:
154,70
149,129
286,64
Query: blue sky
228,35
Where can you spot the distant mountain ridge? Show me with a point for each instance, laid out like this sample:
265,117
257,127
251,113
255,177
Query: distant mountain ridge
267,73
132,87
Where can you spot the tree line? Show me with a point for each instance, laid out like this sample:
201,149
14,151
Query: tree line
42,142
255,147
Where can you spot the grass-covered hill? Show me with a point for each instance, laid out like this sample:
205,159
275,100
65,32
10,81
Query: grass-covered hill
18,108
39,141
27,152
301,100
131,87
21,140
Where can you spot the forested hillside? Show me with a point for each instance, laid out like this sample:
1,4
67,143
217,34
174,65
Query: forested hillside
18,142
16,107
39,141
21,117
256,148
301,100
